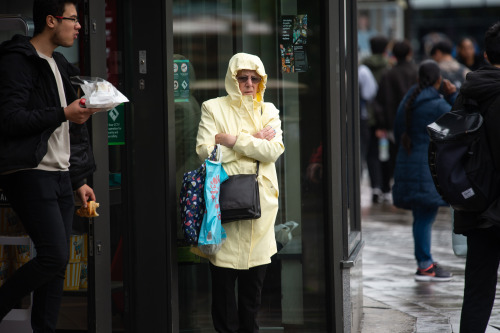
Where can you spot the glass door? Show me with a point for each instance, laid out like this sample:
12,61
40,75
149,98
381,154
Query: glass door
288,36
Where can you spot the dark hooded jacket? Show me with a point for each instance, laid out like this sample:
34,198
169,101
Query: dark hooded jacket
483,86
393,86
30,110
413,184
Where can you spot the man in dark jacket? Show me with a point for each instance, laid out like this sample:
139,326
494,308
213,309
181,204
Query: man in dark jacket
38,110
482,229
392,88
378,64
451,69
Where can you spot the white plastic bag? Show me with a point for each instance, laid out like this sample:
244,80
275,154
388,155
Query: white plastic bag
283,232
459,242
99,93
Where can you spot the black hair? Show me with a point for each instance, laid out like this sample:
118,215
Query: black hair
44,8
463,39
378,44
443,46
401,50
428,74
492,44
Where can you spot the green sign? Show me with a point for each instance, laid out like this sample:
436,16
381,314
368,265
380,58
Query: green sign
181,80
116,126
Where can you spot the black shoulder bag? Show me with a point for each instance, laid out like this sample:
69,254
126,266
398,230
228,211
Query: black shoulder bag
239,197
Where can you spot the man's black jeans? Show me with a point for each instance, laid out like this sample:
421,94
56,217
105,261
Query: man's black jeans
44,202
481,273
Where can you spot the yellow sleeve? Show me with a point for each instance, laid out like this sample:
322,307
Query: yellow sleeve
261,149
205,140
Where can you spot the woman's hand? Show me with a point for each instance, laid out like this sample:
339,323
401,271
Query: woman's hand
267,133
448,88
224,139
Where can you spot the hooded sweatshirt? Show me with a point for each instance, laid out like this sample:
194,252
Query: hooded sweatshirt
483,86
31,110
249,243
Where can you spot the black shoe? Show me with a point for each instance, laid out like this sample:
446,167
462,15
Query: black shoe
433,273
377,196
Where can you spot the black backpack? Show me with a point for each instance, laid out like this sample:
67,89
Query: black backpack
460,160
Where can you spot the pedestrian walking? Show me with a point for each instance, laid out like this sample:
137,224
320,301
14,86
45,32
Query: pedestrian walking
42,129
367,91
483,228
394,84
378,64
413,185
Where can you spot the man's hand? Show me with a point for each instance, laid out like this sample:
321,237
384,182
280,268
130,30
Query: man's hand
224,139
75,113
85,193
267,133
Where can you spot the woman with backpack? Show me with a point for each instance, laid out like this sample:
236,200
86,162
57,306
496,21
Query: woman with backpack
413,185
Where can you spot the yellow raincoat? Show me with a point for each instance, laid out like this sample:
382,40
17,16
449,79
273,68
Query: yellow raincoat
249,243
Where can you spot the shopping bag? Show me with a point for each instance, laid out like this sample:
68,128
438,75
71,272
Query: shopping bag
192,204
212,234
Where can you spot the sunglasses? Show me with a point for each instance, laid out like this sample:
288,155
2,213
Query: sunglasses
243,79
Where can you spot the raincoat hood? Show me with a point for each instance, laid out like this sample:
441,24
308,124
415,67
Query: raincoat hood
239,62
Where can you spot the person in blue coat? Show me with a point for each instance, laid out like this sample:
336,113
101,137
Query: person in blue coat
413,185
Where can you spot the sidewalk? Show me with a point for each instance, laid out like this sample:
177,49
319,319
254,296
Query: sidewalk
393,300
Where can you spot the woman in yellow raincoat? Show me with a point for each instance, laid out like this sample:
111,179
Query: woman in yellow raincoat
248,130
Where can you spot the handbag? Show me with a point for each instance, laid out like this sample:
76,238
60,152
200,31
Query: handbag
239,197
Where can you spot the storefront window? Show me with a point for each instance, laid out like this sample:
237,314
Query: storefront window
287,35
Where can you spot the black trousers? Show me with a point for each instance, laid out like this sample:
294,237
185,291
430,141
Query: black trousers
226,315
44,202
373,162
483,257
387,168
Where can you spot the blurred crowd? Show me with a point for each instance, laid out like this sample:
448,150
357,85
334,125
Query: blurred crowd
385,76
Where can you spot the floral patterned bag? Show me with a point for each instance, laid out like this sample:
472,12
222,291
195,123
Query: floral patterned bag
192,202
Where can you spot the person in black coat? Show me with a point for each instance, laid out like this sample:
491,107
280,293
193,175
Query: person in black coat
392,88
482,229
44,154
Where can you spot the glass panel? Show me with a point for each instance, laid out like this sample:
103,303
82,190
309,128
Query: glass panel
116,148
352,132
287,35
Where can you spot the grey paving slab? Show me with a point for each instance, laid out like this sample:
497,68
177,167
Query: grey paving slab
393,301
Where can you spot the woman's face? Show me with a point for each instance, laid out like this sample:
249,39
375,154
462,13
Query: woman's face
248,81
466,49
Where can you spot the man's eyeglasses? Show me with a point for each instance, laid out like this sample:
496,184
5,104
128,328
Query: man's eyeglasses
74,19
243,79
